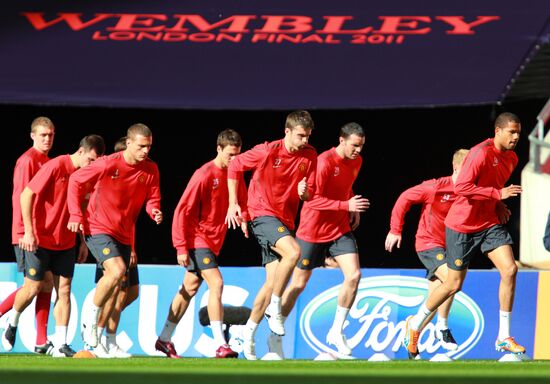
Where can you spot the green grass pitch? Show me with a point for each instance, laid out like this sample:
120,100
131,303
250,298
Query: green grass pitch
22,369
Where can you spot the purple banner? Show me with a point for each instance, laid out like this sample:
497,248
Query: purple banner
271,54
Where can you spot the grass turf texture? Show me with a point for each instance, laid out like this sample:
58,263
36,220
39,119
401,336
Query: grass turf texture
22,369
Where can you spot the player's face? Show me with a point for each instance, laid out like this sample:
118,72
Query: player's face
42,138
228,153
507,137
138,147
297,137
352,146
87,157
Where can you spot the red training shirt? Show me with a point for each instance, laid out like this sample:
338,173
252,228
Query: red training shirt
436,197
483,175
199,218
25,168
119,192
326,216
273,190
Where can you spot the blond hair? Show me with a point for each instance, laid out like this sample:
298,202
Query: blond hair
41,121
459,155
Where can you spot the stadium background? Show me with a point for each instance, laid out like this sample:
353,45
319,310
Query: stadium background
403,147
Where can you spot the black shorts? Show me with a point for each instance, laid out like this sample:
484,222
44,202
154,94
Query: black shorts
461,247
130,279
201,259
313,254
105,247
432,259
268,230
19,258
61,263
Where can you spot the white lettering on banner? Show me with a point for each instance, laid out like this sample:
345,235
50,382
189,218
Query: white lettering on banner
375,314
232,295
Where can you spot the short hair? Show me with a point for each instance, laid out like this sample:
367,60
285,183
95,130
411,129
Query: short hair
93,142
351,129
138,129
504,118
120,144
299,118
41,121
459,155
229,137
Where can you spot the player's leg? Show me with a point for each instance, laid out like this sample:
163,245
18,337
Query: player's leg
36,265
42,313
503,259
300,278
442,330
261,302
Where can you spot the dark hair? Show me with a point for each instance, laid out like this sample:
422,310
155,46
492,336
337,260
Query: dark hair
351,129
138,129
229,137
120,144
93,142
504,118
299,118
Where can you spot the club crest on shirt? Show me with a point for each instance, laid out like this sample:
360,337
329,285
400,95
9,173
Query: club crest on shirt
141,179
302,167
495,162
215,183
115,174
277,163
336,171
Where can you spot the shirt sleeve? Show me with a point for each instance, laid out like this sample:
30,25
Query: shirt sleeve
42,178
186,215
247,160
153,196
466,181
80,183
321,203
419,194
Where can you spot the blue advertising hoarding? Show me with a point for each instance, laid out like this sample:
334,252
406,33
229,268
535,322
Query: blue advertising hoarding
375,323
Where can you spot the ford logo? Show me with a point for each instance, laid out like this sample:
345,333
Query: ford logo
376,322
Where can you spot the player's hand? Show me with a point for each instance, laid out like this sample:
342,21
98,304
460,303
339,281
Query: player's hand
234,218
354,219
82,253
75,227
510,191
157,215
28,242
302,189
503,213
244,228
133,259
183,259
392,240
358,204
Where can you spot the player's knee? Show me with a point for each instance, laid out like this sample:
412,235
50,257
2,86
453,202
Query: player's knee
293,256
454,286
354,278
216,287
509,272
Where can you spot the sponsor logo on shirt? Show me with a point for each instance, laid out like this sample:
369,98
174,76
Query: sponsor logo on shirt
277,163
336,171
215,183
115,174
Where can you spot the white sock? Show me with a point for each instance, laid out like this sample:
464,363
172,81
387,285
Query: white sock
251,327
167,330
504,325
418,319
94,314
60,335
217,332
14,318
442,323
275,304
110,340
340,318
